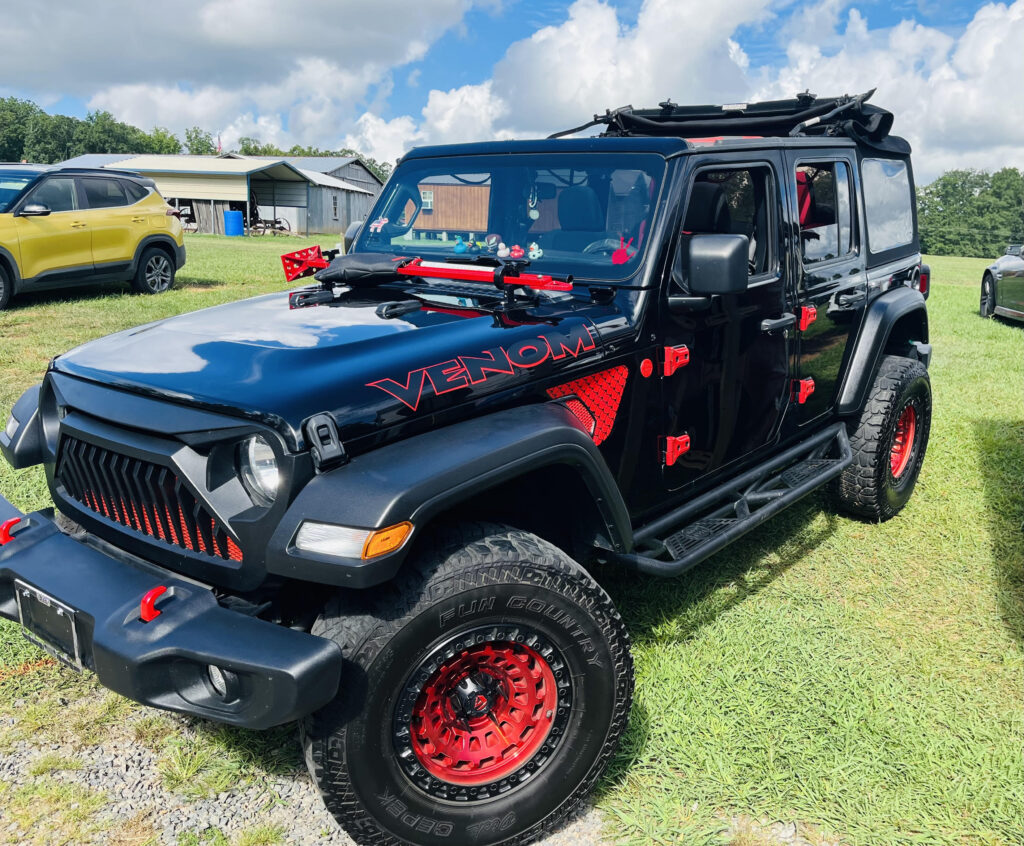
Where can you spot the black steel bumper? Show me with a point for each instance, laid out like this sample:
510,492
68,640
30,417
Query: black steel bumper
274,674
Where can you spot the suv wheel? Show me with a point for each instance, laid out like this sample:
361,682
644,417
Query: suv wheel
988,297
483,696
889,442
5,289
155,273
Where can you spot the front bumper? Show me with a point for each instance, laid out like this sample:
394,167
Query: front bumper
275,674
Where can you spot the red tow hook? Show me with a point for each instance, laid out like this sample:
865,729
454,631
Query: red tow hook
147,607
7,530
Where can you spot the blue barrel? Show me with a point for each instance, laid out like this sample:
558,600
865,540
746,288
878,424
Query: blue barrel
233,223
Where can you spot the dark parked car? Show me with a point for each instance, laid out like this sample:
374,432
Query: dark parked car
1002,286
375,505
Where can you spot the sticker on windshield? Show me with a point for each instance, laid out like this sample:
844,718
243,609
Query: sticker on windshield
378,224
625,252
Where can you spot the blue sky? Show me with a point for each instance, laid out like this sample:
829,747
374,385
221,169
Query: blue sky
387,75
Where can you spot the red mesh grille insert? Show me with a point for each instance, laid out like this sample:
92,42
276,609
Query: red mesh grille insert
599,394
144,497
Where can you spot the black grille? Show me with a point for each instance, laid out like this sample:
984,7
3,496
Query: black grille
145,497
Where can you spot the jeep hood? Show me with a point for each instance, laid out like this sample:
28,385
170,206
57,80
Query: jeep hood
260,359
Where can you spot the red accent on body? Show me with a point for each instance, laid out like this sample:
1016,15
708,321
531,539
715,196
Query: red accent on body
802,389
536,281
646,368
303,263
7,529
601,393
675,357
147,607
806,315
675,446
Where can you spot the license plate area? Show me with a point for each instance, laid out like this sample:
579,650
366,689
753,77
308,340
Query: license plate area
49,623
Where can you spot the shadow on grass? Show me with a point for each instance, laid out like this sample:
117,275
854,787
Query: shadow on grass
193,282
1000,445
697,598
72,293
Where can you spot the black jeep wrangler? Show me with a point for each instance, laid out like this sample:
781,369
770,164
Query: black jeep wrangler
374,504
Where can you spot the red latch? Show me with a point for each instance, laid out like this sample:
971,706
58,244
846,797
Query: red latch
7,530
675,357
802,389
674,447
147,608
806,315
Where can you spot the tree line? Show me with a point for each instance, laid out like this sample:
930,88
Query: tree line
972,212
27,133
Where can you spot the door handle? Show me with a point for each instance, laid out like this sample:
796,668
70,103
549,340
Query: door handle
775,324
847,300
77,224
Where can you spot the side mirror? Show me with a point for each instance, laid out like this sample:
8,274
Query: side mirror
719,264
33,210
351,233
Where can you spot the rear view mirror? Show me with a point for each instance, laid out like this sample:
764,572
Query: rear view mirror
350,235
34,210
719,264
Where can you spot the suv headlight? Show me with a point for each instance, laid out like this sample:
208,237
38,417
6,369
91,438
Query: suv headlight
12,426
259,470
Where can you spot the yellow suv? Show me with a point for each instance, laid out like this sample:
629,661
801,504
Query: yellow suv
65,226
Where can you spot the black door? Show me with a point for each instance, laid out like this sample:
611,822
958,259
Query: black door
832,279
725,381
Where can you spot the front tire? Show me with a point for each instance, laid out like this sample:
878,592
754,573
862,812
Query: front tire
483,695
155,273
987,306
5,289
889,441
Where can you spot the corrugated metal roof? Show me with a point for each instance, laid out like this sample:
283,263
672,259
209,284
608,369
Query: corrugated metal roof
96,159
321,164
213,166
333,182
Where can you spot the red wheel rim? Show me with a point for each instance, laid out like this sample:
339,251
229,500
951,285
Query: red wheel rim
903,441
484,713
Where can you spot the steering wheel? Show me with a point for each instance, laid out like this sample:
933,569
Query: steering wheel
603,245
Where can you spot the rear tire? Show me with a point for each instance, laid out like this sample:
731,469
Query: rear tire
5,288
987,306
889,442
483,695
155,273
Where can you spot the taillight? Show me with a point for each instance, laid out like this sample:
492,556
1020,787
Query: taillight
173,212
922,280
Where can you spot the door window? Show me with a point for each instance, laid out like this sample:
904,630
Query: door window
826,216
104,193
135,191
56,193
888,204
730,201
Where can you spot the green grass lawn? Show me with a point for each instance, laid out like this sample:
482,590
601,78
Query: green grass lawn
864,681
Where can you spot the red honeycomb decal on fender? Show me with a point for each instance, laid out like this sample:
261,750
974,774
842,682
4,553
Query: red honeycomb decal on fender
599,394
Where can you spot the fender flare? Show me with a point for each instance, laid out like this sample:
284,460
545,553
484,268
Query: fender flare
24,447
881,317
150,241
11,265
418,478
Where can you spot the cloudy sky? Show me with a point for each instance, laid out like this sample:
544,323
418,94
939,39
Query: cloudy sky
386,75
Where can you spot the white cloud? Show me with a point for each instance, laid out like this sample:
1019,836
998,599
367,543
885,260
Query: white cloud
951,97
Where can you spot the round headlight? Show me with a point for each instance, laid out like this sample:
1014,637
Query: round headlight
259,468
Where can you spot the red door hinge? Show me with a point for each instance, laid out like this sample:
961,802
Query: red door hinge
674,447
675,357
802,389
806,315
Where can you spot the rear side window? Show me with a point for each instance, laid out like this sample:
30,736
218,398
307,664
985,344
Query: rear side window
135,191
887,204
104,193
826,217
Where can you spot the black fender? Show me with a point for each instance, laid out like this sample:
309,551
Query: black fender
23,447
7,261
901,307
162,240
418,478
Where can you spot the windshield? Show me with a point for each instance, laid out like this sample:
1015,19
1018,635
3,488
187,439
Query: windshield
12,182
585,214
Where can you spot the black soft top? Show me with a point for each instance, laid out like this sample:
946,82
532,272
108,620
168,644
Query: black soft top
806,115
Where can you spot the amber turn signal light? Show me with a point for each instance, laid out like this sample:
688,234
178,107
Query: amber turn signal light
386,540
